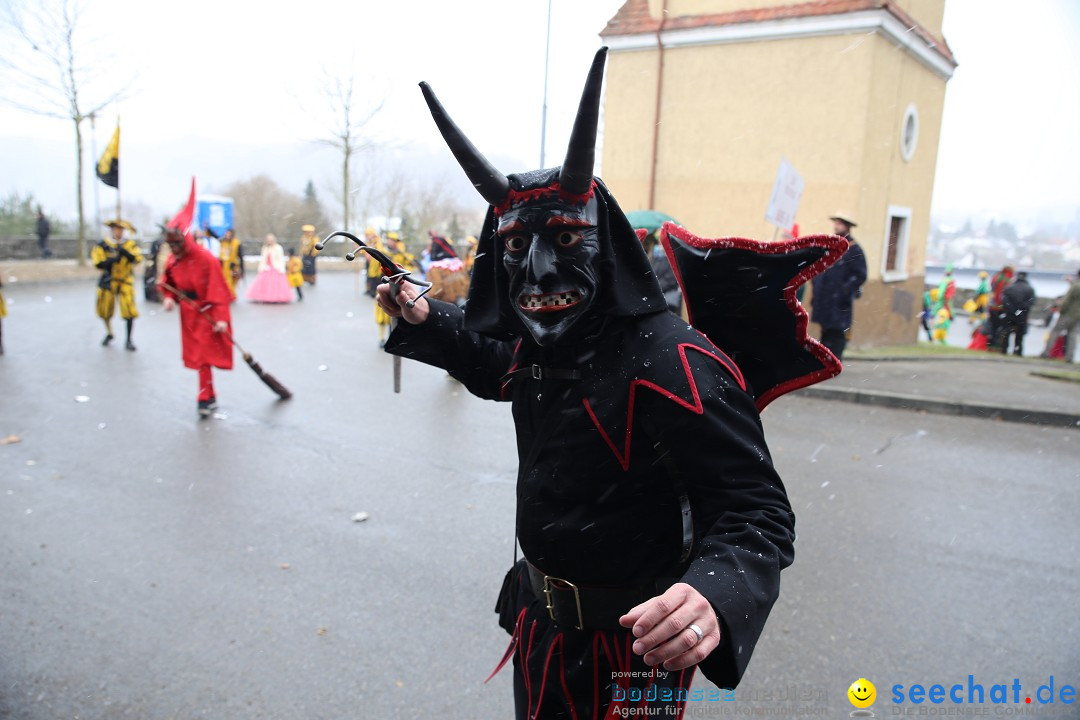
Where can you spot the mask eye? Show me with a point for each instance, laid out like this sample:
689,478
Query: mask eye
516,243
567,239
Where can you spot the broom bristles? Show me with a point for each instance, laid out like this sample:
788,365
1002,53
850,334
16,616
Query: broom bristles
270,380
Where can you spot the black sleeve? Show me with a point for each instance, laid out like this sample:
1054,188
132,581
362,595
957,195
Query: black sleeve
744,526
856,271
442,341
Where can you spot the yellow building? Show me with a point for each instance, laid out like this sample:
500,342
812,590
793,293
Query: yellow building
705,98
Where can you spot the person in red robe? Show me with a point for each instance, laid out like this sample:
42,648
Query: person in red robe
205,322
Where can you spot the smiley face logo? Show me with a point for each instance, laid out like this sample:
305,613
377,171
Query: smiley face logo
862,693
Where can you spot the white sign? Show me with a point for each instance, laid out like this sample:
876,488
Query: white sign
786,193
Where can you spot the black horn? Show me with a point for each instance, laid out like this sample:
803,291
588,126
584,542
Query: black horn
577,170
489,182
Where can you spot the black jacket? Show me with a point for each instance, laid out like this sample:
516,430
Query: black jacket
594,506
835,289
1017,300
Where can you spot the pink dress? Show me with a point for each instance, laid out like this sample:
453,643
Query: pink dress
270,285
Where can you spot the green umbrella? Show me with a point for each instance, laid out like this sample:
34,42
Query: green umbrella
650,220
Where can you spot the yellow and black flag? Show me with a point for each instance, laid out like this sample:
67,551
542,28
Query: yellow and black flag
108,167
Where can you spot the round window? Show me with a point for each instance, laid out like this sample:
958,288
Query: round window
909,133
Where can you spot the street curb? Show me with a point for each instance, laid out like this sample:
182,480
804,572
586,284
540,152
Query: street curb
986,357
945,407
1048,375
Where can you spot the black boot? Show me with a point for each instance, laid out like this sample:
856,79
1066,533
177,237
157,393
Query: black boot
129,345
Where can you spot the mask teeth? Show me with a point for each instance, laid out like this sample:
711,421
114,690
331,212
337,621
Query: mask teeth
562,299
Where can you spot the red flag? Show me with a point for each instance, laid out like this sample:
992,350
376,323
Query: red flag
182,220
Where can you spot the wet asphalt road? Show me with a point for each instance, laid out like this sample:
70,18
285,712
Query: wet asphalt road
156,566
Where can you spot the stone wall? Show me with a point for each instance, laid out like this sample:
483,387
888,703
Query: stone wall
26,247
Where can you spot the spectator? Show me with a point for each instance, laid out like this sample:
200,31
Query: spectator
836,289
998,283
1068,323
43,230
1016,301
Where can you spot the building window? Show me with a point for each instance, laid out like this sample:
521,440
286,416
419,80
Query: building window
909,133
895,255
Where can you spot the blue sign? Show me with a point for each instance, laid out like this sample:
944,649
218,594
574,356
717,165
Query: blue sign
214,212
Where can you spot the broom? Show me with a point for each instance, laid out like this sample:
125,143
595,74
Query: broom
270,380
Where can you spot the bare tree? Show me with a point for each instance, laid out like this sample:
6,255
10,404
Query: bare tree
395,188
366,188
263,206
432,205
47,73
349,118
424,204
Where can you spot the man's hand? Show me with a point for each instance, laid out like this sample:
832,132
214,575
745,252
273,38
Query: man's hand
662,628
221,326
396,307
169,303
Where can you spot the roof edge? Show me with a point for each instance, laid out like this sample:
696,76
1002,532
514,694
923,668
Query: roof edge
633,19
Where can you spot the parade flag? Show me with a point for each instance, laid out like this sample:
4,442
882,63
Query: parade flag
183,219
108,167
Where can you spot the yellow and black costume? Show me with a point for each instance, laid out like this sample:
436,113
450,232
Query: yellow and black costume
3,313
294,271
308,252
403,259
374,269
117,258
232,260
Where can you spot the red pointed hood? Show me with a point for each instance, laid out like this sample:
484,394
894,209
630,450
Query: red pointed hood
182,220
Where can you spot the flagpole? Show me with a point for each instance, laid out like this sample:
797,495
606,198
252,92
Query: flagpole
543,113
118,215
93,154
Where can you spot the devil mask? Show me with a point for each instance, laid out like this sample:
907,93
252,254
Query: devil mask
550,253
556,256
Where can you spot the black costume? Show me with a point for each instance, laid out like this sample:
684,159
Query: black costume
440,248
642,457
1017,300
835,292
597,506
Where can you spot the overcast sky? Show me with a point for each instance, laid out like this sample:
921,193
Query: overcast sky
216,70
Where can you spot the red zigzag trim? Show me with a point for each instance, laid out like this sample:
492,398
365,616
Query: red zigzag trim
695,407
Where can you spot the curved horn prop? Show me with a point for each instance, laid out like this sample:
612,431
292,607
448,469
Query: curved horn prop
489,182
576,175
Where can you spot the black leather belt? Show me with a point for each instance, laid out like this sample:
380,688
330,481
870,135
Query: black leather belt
535,372
590,607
